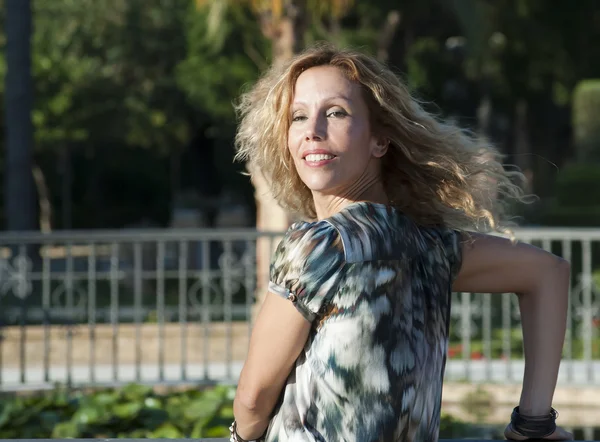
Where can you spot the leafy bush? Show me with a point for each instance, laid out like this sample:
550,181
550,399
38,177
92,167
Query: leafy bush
578,185
135,411
586,126
577,198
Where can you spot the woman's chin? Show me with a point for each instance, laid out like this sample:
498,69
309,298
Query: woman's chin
318,187
325,183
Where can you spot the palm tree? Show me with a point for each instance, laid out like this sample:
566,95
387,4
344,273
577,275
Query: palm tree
284,23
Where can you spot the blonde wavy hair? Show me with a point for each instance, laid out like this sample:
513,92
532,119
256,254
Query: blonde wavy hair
435,172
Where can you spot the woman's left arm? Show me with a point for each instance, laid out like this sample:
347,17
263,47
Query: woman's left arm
541,280
278,337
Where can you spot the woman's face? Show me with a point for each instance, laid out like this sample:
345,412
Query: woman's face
330,138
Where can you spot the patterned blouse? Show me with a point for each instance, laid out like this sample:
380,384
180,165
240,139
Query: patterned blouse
376,288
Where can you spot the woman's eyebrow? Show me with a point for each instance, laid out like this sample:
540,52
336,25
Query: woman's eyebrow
325,100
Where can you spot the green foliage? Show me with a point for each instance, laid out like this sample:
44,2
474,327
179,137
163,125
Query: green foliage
103,67
358,27
578,185
140,78
577,200
135,411
497,351
106,92
478,403
222,57
586,125
453,428
422,56
554,215
477,346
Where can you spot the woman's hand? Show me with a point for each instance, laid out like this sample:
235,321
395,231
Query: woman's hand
559,434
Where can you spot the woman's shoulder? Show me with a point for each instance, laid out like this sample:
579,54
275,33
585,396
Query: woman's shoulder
307,231
307,262
309,245
306,242
371,231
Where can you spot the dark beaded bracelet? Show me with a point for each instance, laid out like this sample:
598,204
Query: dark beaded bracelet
234,437
533,426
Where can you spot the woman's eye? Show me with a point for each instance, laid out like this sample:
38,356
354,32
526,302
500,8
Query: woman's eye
337,114
298,118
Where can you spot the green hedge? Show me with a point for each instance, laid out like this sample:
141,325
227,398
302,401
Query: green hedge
577,198
135,411
578,185
586,124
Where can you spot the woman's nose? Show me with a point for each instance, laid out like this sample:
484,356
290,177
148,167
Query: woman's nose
315,129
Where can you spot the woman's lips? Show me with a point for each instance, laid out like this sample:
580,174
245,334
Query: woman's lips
318,159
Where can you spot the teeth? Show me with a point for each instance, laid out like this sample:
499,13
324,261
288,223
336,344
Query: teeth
313,157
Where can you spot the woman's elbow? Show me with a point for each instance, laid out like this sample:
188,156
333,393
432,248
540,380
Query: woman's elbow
559,269
246,400
563,269
554,276
564,266
251,401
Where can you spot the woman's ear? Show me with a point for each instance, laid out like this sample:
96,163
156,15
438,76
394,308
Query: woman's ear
381,147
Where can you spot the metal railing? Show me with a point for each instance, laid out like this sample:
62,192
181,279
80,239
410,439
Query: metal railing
177,440
181,440
174,306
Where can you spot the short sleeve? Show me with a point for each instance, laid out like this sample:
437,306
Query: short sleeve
307,265
453,240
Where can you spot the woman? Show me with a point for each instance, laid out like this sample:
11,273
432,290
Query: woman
350,343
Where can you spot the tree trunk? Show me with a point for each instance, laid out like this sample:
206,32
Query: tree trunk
45,216
386,36
287,39
19,186
67,188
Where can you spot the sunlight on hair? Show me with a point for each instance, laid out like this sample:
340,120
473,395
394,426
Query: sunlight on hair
434,171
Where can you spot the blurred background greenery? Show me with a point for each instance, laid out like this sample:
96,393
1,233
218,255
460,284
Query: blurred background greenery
132,100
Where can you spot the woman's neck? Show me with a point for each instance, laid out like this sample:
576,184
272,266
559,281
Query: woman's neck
327,205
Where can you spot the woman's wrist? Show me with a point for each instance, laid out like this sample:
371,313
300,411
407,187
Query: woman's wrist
534,410
535,402
236,437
